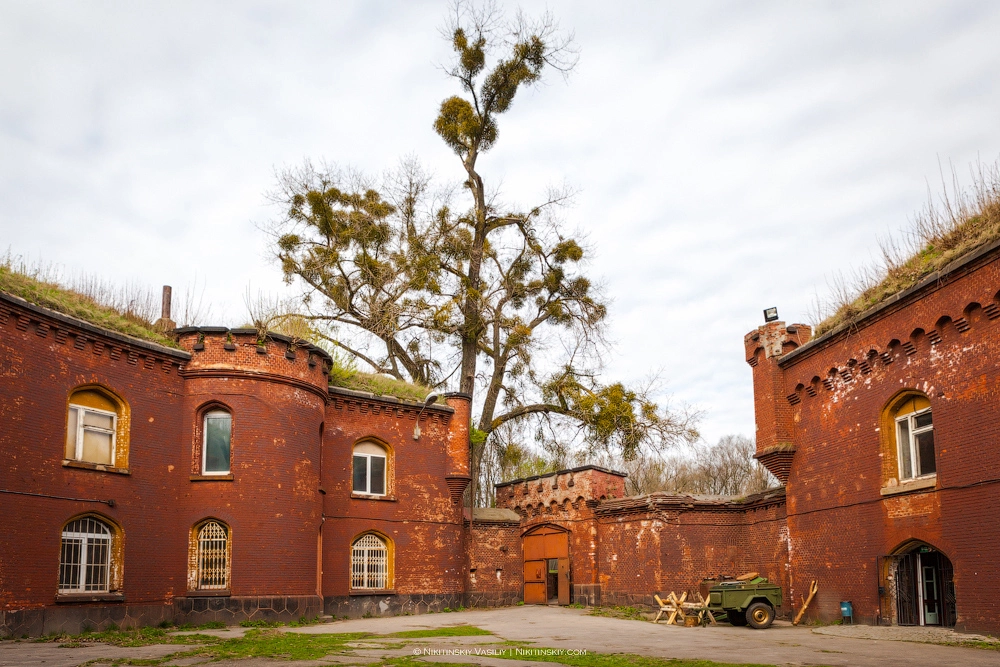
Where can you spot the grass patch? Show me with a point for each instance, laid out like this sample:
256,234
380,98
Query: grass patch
626,613
20,280
271,643
260,623
452,631
126,638
615,660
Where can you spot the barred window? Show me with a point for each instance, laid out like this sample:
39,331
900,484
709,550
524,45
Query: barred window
213,557
369,563
85,557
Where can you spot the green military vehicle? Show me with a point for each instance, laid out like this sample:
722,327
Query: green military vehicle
750,602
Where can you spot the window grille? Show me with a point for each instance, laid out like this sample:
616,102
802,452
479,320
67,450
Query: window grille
369,563
85,557
213,557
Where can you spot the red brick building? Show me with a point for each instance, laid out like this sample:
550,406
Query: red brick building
219,481
225,479
884,433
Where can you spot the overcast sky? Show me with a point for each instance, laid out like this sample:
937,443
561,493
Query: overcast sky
728,156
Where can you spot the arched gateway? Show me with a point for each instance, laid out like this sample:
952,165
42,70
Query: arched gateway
546,565
917,587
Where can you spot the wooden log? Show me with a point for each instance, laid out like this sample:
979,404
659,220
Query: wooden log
805,605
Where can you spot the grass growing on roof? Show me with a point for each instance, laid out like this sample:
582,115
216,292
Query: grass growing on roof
964,220
20,280
380,385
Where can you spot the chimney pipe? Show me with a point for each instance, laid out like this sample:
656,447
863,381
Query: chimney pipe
165,323
165,310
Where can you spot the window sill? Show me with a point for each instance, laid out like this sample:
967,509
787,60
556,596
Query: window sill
372,496
910,485
212,478
90,597
373,591
100,467
209,594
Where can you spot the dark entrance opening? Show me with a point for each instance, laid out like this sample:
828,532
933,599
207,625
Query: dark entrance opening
921,580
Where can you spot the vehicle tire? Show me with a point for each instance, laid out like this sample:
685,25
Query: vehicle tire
737,618
759,615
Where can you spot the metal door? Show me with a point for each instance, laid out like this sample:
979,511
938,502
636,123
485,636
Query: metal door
564,581
544,544
907,612
534,582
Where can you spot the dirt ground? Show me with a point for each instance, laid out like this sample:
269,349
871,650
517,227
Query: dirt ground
576,630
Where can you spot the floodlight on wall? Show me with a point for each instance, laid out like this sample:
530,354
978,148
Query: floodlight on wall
770,314
431,398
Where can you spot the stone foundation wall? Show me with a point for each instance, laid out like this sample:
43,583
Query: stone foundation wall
367,606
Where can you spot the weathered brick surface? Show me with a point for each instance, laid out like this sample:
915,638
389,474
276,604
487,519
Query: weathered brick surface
940,340
419,514
291,441
496,576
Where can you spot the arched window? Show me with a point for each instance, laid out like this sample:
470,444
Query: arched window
210,571
85,556
370,563
370,469
96,428
914,437
217,433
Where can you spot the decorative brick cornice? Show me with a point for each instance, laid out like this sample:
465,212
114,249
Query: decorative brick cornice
43,322
456,486
259,376
778,461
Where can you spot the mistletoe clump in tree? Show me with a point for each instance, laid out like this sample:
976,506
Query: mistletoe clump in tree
457,287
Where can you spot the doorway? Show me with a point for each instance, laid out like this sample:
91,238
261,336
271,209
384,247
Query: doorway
546,566
922,581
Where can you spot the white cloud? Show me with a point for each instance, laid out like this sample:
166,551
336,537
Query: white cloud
729,156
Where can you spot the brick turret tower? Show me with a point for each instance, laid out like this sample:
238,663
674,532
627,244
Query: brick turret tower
775,431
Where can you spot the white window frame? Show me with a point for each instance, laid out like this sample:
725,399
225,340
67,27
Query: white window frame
204,443
368,473
369,563
80,428
910,446
85,540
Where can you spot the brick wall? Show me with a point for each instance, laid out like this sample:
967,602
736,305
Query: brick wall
496,577
940,338
288,500
420,514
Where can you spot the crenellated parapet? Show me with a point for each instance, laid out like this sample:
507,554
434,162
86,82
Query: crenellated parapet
560,491
222,352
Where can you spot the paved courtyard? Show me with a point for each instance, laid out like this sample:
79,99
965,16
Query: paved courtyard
575,630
